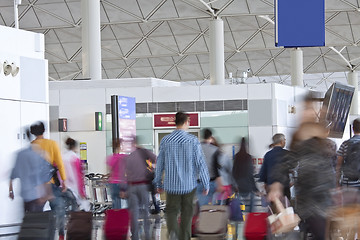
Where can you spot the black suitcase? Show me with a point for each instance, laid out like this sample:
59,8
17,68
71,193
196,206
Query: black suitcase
37,226
79,226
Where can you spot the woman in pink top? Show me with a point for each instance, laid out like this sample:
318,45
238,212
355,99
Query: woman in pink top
117,174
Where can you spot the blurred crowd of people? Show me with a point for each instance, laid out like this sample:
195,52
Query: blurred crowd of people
46,174
186,168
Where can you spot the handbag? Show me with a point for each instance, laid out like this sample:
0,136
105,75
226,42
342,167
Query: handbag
285,220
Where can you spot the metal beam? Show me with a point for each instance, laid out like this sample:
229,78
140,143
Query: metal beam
55,15
123,10
268,62
127,68
154,10
173,66
143,39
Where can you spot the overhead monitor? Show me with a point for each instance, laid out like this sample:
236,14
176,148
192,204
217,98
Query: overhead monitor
336,107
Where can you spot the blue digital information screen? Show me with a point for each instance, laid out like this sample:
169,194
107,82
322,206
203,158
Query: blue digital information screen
299,23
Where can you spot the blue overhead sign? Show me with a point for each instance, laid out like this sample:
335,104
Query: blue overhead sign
299,23
127,107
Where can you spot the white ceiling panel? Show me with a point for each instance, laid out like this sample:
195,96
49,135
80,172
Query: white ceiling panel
153,35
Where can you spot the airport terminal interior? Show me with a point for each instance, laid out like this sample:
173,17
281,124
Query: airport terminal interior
255,101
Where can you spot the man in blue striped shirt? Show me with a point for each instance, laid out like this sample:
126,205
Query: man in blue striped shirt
182,159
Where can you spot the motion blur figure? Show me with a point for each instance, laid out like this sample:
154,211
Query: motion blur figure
139,178
212,154
75,176
117,179
34,172
53,155
310,153
243,173
225,166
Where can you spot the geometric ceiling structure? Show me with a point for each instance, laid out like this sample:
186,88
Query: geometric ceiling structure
169,39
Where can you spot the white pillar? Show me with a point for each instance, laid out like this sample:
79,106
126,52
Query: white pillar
353,81
297,67
91,39
217,72
16,13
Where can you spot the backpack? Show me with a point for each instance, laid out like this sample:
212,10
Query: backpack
351,167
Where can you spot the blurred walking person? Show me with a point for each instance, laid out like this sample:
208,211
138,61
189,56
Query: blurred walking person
139,176
212,155
117,179
34,172
309,152
243,174
183,161
53,155
75,176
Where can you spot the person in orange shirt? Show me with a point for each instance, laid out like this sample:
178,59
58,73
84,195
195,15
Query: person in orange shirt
53,155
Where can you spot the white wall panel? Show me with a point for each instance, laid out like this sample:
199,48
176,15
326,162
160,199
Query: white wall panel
82,97
32,112
81,117
34,84
9,85
20,42
259,91
10,142
54,97
56,137
140,93
259,140
300,93
283,92
96,148
223,92
173,94
280,112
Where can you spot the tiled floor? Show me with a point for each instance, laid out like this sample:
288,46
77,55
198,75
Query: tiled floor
158,229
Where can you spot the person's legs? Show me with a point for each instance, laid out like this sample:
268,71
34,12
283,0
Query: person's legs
115,197
251,202
57,204
143,194
248,200
153,197
134,211
172,209
70,200
186,215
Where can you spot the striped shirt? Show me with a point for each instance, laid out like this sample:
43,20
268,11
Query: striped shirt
183,161
342,152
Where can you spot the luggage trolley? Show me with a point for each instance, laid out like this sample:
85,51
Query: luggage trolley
98,192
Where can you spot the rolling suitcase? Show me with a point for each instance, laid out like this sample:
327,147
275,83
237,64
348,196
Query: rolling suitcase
37,226
213,220
116,225
79,226
255,226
